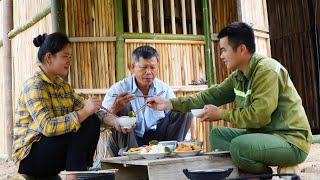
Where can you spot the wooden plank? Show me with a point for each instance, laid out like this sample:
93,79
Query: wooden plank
163,36
163,41
188,88
93,39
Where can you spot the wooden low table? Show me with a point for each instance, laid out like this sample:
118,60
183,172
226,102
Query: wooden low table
166,168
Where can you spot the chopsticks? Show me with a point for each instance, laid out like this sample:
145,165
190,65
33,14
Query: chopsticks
144,96
145,104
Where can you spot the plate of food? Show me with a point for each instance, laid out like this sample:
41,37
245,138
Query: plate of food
133,153
188,149
155,151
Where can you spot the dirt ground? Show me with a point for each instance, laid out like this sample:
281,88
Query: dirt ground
310,169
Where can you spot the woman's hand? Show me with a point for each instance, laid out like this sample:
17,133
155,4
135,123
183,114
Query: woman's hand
159,103
92,105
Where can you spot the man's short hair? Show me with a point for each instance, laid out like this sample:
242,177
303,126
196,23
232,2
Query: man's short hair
239,33
145,52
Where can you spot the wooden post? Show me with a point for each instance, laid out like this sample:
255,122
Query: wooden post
130,16
194,18
139,16
151,29
173,17
120,63
7,20
58,16
184,19
207,45
162,17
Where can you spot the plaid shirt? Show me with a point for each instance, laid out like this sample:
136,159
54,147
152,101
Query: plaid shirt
47,108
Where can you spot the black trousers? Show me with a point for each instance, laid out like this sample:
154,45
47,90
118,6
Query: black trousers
72,151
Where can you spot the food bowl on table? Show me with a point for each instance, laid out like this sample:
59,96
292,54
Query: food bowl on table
170,144
197,112
126,121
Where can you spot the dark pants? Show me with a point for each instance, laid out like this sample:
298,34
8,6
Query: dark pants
174,126
72,151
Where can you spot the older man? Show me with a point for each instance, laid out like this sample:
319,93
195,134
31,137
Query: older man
151,124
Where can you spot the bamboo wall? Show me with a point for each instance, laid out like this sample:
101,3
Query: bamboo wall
24,53
93,64
2,120
293,44
180,62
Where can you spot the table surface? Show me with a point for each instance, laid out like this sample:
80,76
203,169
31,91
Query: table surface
125,160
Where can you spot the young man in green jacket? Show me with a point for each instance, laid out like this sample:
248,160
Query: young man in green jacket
273,126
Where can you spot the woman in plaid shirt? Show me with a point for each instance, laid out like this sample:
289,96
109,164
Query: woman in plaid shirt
54,129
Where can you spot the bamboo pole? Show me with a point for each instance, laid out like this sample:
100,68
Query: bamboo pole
207,46
58,16
162,17
1,43
184,18
36,18
194,19
130,16
139,16
120,66
210,15
173,17
151,29
163,36
7,20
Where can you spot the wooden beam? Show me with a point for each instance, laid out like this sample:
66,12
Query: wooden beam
36,18
160,41
173,17
162,17
120,63
163,36
93,39
189,88
7,24
58,16
207,47
151,29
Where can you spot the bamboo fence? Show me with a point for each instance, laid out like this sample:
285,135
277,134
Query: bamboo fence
93,64
24,53
293,44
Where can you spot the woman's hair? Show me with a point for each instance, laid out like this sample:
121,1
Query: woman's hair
52,43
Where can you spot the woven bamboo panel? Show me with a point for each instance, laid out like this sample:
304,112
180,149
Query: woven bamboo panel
24,54
179,64
93,64
23,10
255,11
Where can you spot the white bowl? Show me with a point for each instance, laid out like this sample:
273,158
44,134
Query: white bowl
126,121
170,144
153,156
197,112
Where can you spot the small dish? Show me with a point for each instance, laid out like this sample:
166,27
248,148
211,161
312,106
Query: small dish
197,112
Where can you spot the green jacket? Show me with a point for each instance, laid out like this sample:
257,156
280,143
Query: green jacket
265,98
